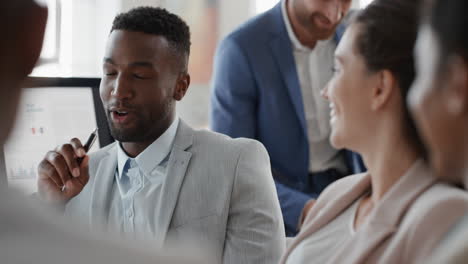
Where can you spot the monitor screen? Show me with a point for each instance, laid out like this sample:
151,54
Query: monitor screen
47,117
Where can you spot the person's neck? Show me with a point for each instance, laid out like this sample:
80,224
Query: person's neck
133,149
388,158
299,31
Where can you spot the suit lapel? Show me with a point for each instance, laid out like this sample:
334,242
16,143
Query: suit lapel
103,184
383,222
329,210
281,48
176,170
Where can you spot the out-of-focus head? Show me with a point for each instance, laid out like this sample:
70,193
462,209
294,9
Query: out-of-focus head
144,72
439,97
373,73
319,18
20,46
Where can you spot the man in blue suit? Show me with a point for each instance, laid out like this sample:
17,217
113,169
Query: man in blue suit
267,79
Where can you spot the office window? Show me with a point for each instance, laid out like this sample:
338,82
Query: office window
261,6
364,3
51,45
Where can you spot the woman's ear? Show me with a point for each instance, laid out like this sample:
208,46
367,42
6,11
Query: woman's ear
182,85
383,91
455,92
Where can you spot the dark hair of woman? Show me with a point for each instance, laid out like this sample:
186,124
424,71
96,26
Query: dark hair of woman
449,21
380,22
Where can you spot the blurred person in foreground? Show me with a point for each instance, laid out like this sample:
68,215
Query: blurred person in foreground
29,234
163,181
398,211
439,103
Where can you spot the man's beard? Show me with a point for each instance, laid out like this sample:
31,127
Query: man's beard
144,128
315,30
319,32
133,134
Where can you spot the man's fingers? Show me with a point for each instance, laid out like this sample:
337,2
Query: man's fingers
60,168
76,185
78,147
60,165
48,190
84,175
61,176
69,155
47,171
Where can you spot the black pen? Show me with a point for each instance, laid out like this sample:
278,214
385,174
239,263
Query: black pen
89,143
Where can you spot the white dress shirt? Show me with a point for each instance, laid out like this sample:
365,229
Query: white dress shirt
314,70
321,246
137,186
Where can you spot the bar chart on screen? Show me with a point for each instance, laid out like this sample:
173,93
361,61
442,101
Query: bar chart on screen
47,117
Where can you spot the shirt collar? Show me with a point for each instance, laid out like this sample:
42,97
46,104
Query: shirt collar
154,154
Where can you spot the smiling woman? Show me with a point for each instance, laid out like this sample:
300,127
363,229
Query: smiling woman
381,216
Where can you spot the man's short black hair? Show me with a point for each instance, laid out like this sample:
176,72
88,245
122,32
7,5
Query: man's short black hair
156,21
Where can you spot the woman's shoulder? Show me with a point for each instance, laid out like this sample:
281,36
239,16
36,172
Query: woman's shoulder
431,216
439,196
345,189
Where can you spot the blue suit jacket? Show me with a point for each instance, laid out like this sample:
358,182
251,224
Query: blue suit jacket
256,94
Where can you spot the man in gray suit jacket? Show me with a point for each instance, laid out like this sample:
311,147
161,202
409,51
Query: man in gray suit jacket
162,180
30,235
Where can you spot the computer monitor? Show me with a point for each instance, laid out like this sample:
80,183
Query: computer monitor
51,112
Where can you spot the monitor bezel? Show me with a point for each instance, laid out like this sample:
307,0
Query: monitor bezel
104,135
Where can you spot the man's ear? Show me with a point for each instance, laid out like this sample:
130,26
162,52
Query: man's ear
455,92
182,85
383,90
30,37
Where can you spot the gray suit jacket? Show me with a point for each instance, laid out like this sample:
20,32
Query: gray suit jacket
218,190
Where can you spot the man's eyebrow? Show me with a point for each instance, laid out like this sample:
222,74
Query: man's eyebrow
146,64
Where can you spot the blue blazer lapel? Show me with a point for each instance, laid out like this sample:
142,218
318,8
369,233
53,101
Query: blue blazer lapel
281,48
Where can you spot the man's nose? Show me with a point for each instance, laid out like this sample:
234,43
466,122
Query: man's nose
122,88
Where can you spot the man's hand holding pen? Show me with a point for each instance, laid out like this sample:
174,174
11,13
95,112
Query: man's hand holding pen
63,173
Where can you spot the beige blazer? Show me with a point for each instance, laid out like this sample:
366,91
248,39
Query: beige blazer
404,227
218,191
